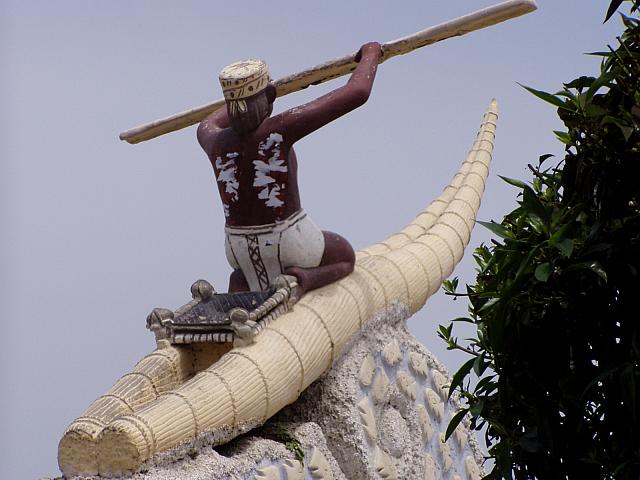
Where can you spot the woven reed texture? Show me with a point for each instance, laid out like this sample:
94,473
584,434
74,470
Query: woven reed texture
167,402
160,371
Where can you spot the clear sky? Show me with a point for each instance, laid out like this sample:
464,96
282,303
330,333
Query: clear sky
96,232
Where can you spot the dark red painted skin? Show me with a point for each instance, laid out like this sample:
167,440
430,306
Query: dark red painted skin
219,135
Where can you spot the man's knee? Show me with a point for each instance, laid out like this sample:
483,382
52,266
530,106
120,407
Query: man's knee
337,249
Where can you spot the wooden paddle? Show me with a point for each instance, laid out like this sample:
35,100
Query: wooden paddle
341,66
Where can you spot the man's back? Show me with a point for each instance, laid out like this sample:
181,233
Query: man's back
256,173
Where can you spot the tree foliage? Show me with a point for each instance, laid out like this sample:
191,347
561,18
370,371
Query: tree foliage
555,303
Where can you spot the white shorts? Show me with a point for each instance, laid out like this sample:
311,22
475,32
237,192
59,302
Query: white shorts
263,252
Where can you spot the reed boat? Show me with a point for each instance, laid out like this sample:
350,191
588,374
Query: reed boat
212,393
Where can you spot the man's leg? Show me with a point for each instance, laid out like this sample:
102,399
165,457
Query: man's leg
337,262
237,282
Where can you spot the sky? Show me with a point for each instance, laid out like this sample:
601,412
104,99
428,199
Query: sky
97,232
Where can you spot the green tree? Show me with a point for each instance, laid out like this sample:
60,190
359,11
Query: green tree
555,302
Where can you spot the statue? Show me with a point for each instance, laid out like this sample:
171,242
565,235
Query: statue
267,232
192,391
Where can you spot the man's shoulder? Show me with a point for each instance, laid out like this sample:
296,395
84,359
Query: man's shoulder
208,126
206,133
213,138
273,127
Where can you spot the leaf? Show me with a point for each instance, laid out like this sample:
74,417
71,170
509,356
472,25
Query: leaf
535,210
524,266
460,375
485,386
445,332
598,270
489,304
560,234
599,54
514,182
594,266
598,247
497,228
450,286
476,408
599,378
595,110
565,246
608,119
613,6
479,366
544,157
600,82
582,98
529,441
564,137
463,319
581,82
455,421
626,131
547,97
543,272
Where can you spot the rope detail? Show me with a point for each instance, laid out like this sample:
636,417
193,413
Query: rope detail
117,397
324,325
234,422
143,375
295,350
262,375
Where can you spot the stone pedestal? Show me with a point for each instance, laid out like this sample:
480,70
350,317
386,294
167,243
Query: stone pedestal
379,413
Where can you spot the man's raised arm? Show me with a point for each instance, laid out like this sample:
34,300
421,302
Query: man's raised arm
301,121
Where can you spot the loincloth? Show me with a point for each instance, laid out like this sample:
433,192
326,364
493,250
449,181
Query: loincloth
263,252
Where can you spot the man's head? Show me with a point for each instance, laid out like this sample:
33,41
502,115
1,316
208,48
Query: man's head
248,93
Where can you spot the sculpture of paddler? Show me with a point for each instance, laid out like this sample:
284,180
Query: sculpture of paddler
267,233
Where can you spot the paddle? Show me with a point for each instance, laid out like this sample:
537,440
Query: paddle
341,66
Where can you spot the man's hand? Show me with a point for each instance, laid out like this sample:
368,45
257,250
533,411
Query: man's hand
369,49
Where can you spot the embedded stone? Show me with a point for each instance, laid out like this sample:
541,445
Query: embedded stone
319,466
385,466
391,353
367,370
445,452
441,382
418,364
368,419
272,472
407,385
434,404
430,469
394,431
461,436
380,384
472,468
294,469
425,423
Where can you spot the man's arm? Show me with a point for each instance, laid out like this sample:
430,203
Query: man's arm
301,121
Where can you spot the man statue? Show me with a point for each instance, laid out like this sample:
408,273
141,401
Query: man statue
267,231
